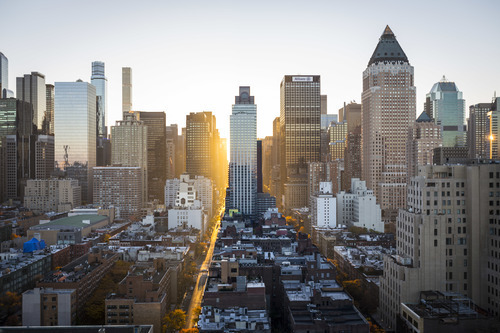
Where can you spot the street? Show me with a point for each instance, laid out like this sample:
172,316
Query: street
199,288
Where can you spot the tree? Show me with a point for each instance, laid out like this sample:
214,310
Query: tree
174,321
189,330
196,314
10,305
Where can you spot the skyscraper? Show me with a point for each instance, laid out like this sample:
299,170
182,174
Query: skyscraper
243,163
4,74
16,155
156,152
388,110
445,104
129,139
300,121
126,90
49,104
478,130
31,88
199,143
100,82
75,128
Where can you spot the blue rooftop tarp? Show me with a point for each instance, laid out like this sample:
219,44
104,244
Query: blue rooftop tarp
33,245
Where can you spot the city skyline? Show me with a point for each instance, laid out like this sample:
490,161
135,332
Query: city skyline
195,50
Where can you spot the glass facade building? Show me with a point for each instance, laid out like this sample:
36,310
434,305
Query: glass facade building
100,82
445,104
4,73
243,162
126,90
75,128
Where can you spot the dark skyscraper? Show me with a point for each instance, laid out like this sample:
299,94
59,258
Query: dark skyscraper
157,149
199,143
259,166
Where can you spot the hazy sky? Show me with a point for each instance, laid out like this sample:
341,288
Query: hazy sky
191,56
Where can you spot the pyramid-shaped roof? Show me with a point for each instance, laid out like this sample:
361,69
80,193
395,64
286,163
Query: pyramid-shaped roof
388,49
424,117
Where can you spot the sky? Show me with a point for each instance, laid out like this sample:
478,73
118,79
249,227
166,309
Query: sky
191,56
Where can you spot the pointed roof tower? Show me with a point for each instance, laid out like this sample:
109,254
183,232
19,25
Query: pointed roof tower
423,118
388,49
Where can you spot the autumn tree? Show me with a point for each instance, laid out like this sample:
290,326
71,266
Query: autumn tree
174,321
10,306
196,314
190,330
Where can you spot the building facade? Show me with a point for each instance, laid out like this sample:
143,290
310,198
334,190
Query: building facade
120,187
52,195
31,88
388,110
75,126
445,104
49,307
100,82
126,90
243,162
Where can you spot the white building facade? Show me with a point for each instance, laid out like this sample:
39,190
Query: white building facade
324,207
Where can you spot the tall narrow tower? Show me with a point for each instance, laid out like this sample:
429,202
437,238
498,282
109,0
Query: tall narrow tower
100,82
388,110
31,88
243,164
126,90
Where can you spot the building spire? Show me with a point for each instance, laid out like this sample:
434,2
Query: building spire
387,31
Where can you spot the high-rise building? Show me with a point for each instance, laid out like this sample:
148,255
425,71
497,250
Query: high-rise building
275,184
44,156
49,104
171,146
199,143
388,110
31,88
75,129
446,239
478,130
494,129
423,137
17,158
100,82
129,139
300,130
243,162
4,77
126,90
157,150
337,134
119,187
324,104
445,104
324,207
351,113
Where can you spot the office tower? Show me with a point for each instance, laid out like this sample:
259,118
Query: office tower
423,137
324,104
129,143
300,122
222,166
199,143
180,154
357,207
100,82
275,185
243,161
446,239
337,135
120,187
259,166
494,129
4,77
477,130
126,90
446,106
171,133
44,156
31,88
388,109
351,113
75,129
326,120
49,104
157,150
16,151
